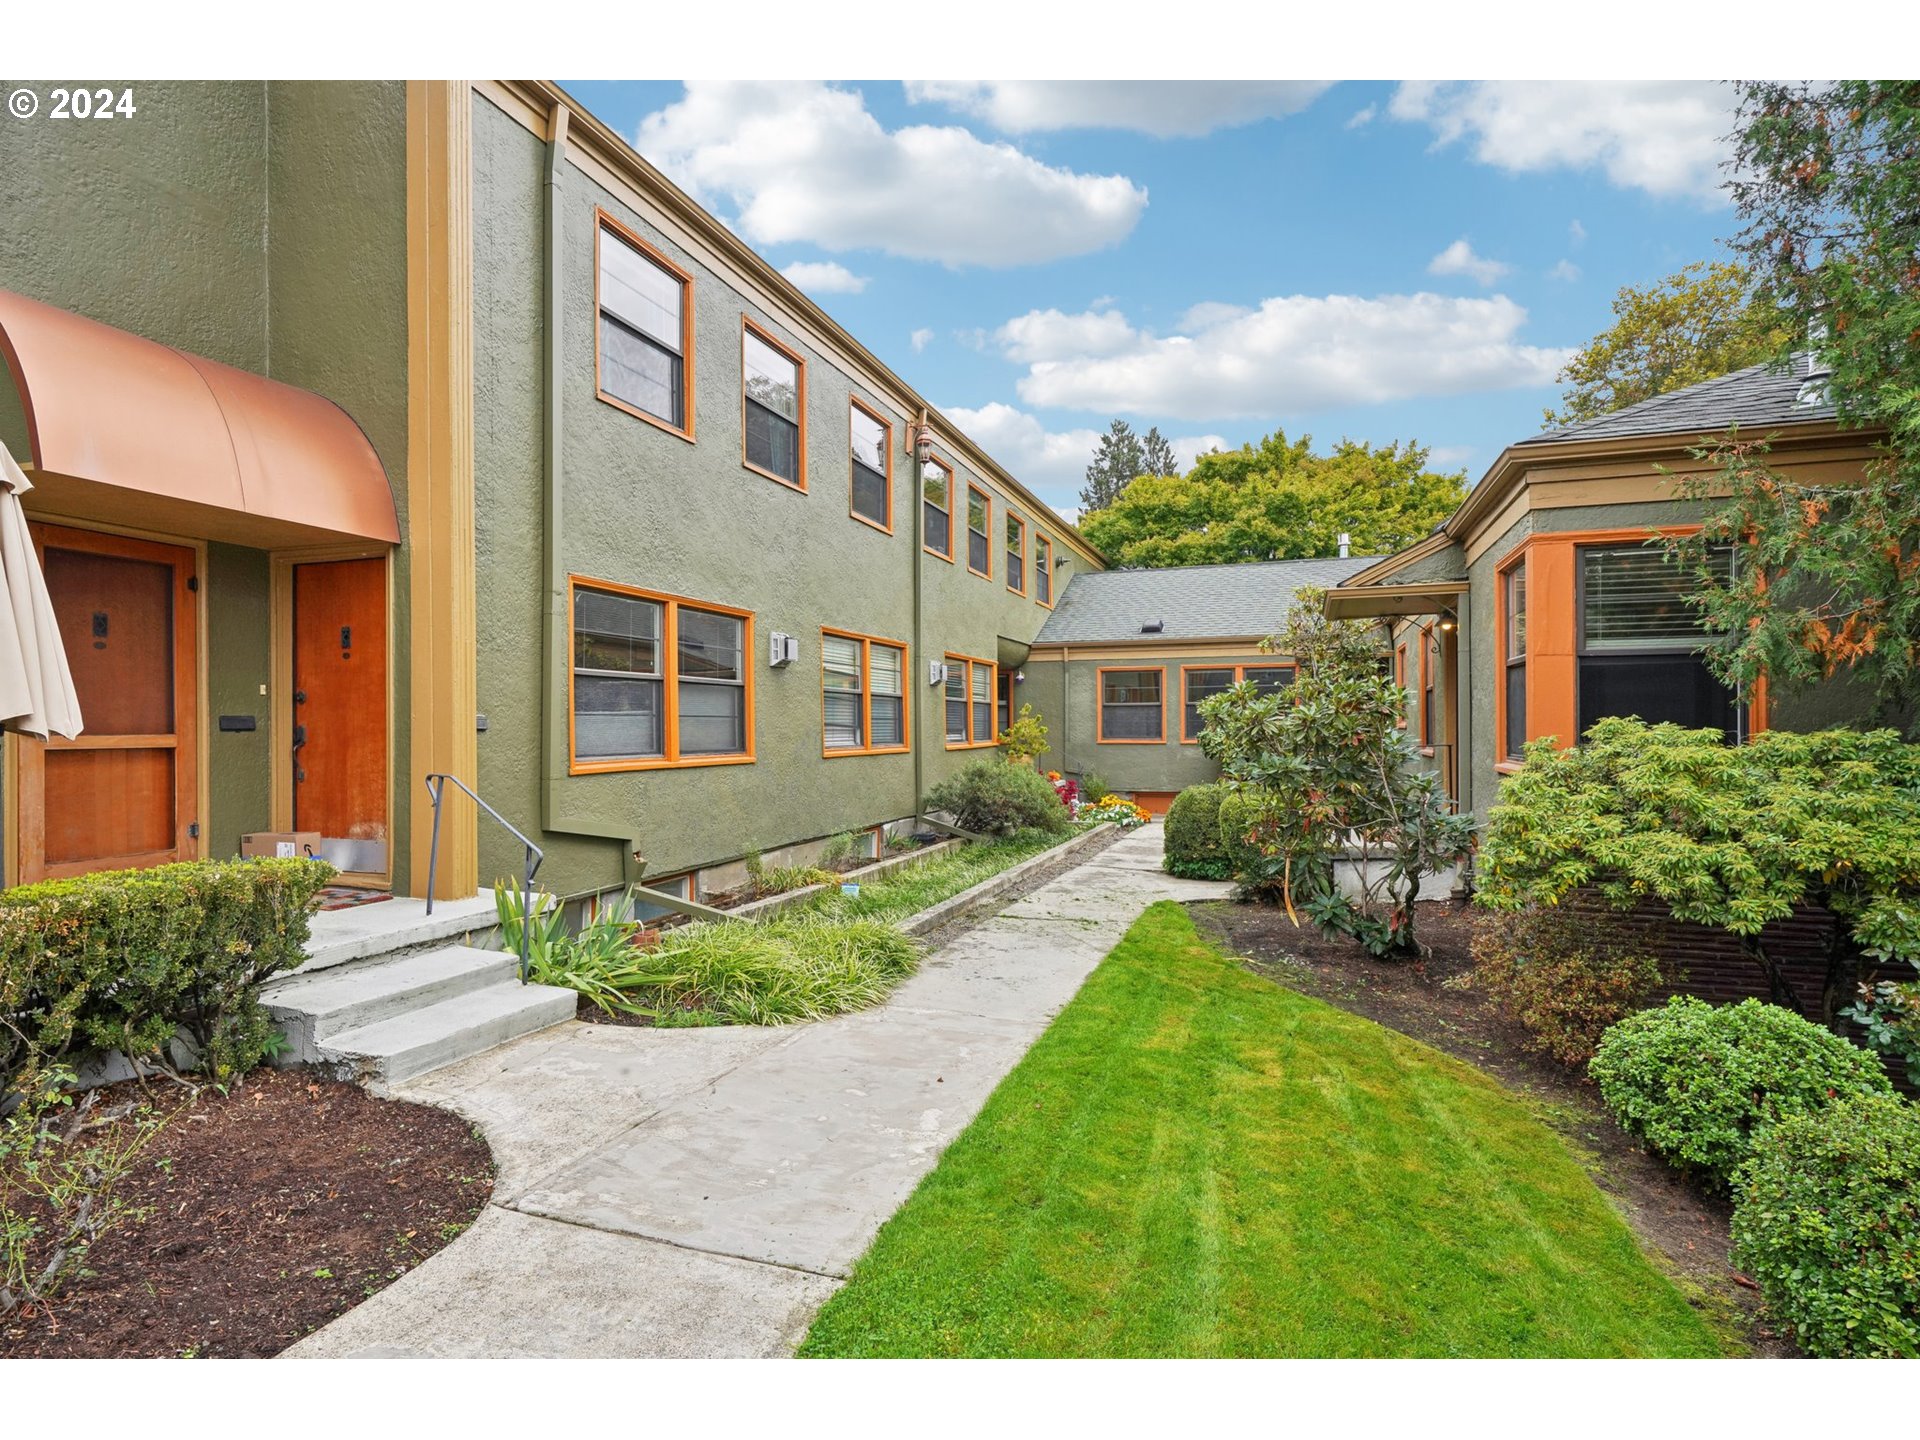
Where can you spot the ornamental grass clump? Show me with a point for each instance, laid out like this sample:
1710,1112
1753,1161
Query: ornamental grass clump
777,971
1826,1221
1697,1082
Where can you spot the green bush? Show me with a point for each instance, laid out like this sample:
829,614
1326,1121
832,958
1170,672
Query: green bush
991,797
1560,977
1827,1222
1697,1081
122,959
1238,812
1193,834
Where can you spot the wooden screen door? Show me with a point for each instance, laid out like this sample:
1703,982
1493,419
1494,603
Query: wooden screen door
126,792
340,710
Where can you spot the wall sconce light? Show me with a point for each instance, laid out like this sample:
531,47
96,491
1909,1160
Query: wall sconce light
922,443
1448,620
1019,677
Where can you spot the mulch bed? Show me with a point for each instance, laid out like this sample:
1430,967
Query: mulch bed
273,1209
1681,1223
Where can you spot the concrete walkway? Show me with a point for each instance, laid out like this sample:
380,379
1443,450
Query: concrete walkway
702,1192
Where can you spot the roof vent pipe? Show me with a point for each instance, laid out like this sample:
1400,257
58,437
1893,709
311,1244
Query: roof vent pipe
1346,543
1813,389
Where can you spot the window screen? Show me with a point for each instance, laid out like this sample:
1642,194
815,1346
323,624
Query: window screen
772,383
642,331
1130,705
617,677
870,443
844,697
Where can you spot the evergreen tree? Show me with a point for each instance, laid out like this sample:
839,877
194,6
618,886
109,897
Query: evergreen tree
1116,463
1156,455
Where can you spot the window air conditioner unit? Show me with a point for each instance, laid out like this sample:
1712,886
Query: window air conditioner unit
782,650
936,673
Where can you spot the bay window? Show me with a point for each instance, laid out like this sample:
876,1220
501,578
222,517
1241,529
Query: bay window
1513,652
1639,642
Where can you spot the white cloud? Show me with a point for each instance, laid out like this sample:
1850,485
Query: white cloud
1459,259
1661,136
824,277
921,338
1565,270
1050,335
1449,457
1577,233
1296,354
1209,312
807,163
1363,116
1161,108
1051,462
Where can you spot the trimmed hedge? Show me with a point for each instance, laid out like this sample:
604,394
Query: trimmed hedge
1698,1081
991,797
124,959
1193,844
1827,1222
1243,858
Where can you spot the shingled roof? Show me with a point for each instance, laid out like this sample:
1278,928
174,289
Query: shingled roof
1193,602
1759,398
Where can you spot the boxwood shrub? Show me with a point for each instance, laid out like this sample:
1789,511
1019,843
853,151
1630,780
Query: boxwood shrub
1697,1081
992,797
1827,1222
1193,844
123,959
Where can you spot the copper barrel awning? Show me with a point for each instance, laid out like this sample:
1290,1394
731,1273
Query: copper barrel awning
124,428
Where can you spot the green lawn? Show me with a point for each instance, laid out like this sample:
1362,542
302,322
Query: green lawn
1194,1161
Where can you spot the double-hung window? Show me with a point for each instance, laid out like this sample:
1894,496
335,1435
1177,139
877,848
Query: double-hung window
936,509
1016,554
979,536
1639,642
773,402
872,482
645,358
1203,682
969,698
1042,569
863,694
1513,647
1131,707
658,681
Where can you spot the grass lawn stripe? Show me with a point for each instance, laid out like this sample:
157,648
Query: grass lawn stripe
1194,1161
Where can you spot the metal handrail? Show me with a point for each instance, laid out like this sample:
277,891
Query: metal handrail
534,855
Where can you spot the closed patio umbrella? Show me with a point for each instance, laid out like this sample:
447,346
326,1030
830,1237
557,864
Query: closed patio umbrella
36,688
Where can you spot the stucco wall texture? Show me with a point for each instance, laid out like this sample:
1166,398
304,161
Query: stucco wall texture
643,507
262,225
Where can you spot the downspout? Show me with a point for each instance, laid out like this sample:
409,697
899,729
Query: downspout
553,577
915,559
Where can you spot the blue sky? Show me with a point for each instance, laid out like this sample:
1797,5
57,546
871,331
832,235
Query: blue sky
1368,260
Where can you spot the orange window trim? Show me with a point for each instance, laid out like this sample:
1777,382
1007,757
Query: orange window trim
969,662
669,680
604,223
1239,674
986,506
1553,633
748,325
886,425
867,642
1400,679
1100,712
921,514
1043,552
1017,572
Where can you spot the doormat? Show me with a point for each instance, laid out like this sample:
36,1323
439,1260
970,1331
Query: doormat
345,897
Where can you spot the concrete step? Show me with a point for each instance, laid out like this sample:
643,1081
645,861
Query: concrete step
311,1008
403,1046
389,927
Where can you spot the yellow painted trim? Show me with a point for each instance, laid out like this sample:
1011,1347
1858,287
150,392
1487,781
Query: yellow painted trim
441,603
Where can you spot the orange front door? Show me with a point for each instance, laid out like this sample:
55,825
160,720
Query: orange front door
126,793
340,710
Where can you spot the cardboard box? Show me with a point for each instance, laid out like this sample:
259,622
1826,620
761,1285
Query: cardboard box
283,844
